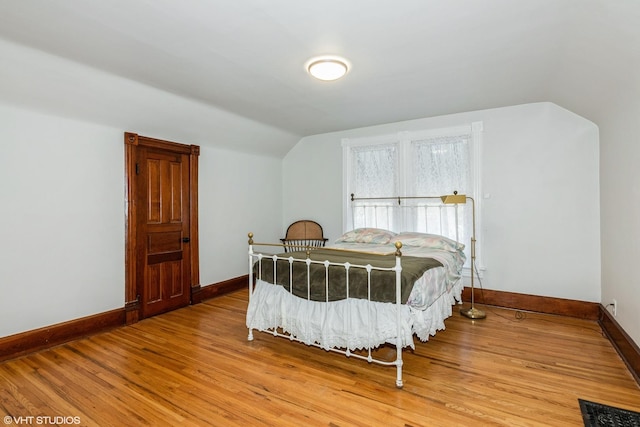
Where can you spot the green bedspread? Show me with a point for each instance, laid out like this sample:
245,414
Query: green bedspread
382,282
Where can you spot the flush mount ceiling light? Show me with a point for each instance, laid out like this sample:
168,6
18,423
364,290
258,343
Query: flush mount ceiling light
327,68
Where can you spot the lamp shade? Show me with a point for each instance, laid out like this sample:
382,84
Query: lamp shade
455,198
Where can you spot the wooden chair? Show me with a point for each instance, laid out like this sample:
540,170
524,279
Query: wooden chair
302,235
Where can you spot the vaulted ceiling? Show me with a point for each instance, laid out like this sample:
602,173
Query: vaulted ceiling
410,58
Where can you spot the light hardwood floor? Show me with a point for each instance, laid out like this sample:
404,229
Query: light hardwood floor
194,366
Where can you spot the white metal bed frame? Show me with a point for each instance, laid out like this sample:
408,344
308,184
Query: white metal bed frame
384,210
259,257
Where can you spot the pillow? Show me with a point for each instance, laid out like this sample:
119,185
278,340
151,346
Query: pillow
433,241
367,235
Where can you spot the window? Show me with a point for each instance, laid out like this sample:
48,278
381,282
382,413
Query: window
390,176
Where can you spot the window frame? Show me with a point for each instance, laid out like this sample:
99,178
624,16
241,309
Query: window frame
403,141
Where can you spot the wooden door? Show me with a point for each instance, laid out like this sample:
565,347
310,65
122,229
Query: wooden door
161,214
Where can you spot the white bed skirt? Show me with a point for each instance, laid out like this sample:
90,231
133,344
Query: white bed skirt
353,323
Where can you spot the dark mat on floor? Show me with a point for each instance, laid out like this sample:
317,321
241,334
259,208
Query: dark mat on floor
599,415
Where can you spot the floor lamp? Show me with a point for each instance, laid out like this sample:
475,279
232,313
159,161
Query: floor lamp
455,199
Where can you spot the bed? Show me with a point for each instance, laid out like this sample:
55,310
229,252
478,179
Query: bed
371,287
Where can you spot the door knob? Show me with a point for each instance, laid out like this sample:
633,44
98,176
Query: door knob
185,240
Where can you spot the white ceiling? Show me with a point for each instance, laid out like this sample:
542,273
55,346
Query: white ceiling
410,58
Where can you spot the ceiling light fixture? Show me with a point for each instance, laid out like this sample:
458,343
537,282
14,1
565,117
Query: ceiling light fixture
327,68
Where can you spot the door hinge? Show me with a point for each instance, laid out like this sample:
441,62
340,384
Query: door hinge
137,168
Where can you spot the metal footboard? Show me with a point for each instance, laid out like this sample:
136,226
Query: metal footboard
278,331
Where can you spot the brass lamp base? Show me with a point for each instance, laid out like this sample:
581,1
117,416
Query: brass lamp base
473,313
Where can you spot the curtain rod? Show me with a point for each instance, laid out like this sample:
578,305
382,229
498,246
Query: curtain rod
448,199
398,198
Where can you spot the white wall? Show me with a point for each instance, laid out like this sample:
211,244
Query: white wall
595,48
63,211
620,206
62,221
239,193
540,230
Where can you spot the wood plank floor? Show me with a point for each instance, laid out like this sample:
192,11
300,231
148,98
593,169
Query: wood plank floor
195,367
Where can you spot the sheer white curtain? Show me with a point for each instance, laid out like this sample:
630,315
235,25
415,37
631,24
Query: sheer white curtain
374,171
438,166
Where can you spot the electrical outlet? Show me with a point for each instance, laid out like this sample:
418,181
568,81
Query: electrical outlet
614,307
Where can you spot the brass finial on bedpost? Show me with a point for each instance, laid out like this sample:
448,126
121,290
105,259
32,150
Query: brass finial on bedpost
398,246
250,235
